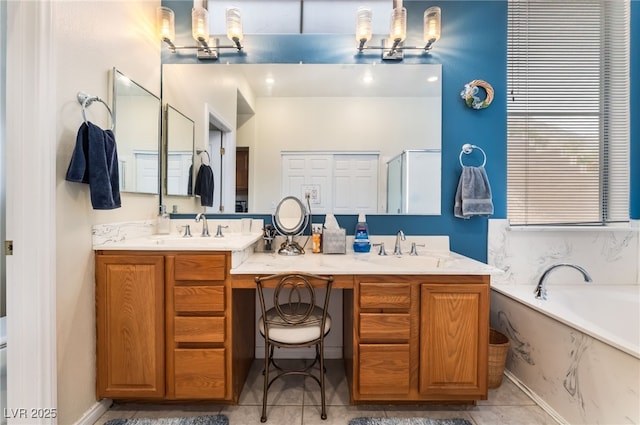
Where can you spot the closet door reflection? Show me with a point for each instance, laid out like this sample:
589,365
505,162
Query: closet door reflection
180,145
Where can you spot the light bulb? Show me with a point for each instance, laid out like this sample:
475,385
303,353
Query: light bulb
398,31
234,24
363,25
432,24
165,24
200,24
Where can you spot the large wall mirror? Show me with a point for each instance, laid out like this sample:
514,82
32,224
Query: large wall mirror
331,110
179,147
137,115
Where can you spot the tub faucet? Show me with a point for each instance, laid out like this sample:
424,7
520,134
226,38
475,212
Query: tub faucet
205,226
397,250
541,289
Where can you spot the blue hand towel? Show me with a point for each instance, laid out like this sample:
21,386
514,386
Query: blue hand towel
473,196
204,185
95,162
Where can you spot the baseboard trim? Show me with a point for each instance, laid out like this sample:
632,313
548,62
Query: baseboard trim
536,398
92,415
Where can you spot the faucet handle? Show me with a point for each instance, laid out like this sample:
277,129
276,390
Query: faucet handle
187,231
381,251
219,231
414,250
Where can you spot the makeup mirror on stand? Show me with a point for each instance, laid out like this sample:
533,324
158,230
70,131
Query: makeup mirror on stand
290,219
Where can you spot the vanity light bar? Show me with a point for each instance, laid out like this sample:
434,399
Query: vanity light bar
398,32
207,47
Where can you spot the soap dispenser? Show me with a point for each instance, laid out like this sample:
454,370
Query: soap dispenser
163,226
361,239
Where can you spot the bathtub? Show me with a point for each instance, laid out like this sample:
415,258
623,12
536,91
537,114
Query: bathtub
577,353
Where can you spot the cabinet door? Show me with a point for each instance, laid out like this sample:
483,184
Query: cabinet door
130,326
454,327
200,373
384,369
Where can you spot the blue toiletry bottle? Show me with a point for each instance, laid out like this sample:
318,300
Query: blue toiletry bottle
361,239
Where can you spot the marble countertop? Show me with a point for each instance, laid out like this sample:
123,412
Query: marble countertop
434,256
230,242
434,262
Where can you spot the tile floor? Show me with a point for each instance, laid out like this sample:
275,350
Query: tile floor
294,400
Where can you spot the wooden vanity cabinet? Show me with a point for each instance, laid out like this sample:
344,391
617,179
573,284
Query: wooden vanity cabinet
418,338
196,326
454,339
130,332
165,321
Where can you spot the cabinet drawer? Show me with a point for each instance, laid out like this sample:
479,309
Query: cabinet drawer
199,373
384,327
384,369
199,329
200,267
198,298
385,295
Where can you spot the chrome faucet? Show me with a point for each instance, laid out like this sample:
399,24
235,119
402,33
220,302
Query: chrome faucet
205,226
541,289
397,250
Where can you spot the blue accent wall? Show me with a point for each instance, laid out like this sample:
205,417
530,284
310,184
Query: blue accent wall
473,46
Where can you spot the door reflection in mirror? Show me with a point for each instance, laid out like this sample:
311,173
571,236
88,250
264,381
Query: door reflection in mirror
180,146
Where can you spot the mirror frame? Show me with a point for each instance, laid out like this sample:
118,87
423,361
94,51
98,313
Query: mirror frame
116,76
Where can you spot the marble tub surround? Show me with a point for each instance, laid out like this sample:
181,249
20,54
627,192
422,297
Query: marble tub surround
609,254
575,377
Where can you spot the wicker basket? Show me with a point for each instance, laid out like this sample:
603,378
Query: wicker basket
498,349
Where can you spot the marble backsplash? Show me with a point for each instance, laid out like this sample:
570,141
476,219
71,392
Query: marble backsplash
610,255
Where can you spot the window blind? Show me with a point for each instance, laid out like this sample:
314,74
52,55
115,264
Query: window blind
568,111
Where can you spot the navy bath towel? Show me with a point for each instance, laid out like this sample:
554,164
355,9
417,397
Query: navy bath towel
95,162
204,185
473,196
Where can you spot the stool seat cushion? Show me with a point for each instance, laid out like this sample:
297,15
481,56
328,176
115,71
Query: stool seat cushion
295,334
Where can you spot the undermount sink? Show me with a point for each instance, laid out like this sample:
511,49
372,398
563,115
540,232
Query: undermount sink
409,261
231,242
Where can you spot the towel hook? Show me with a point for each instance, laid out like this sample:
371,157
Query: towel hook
86,100
200,151
467,148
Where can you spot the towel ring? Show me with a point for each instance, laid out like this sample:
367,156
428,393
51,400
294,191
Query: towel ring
467,148
86,100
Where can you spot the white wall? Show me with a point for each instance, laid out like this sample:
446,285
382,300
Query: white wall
359,123
91,37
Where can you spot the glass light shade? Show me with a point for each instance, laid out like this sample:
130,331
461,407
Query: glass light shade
432,24
234,24
398,31
200,24
363,24
165,24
